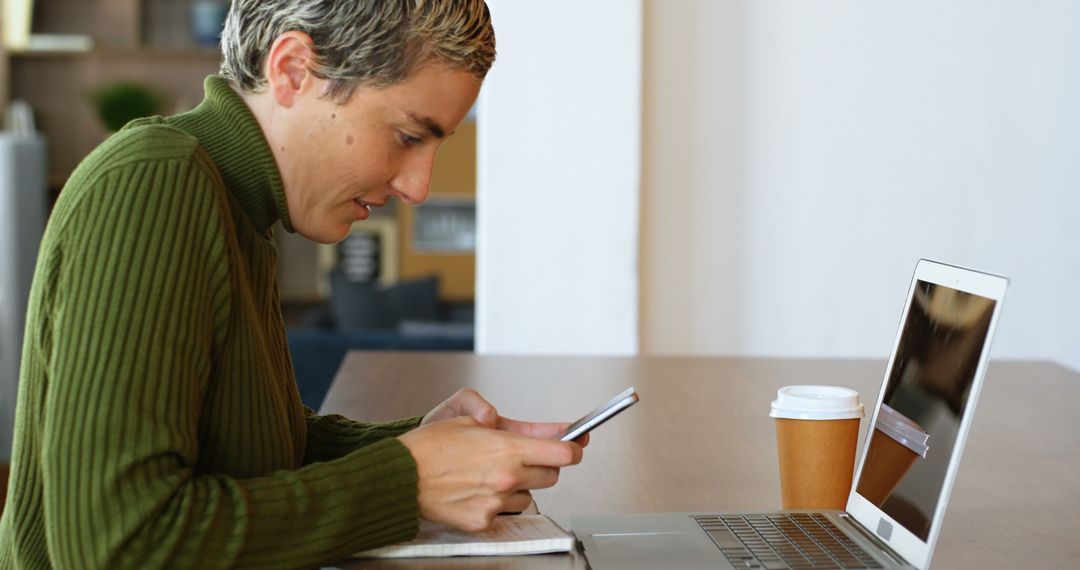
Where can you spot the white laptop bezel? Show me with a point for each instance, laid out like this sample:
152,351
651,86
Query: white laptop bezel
906,544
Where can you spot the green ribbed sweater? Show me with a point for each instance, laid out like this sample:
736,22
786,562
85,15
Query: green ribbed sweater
158,421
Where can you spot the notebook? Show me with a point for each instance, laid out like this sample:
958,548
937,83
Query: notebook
509,535
895,507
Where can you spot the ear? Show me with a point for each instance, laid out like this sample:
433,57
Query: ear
288,67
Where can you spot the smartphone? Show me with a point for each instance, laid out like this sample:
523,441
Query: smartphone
600,415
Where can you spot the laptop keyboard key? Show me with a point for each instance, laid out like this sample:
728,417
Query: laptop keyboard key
725,539
780,541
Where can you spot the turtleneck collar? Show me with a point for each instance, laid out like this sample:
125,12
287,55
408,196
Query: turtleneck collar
226,128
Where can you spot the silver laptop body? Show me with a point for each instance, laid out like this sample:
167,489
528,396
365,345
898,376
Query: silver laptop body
932,381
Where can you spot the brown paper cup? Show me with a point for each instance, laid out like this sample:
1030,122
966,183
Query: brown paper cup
817,461
817,430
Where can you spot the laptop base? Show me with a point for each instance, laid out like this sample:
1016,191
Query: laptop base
742,540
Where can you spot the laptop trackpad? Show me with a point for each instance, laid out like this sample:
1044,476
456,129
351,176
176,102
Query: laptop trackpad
648,550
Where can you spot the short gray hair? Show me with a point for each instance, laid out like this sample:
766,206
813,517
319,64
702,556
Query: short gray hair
359,42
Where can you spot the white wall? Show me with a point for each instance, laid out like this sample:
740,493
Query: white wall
559,179
801,156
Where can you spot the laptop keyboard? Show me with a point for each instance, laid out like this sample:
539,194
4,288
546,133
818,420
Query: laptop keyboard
777,541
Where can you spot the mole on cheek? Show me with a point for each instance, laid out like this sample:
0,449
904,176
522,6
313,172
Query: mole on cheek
348,139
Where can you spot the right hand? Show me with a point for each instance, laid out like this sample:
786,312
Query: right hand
469,473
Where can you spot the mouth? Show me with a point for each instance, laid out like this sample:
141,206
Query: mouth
363,209
369,204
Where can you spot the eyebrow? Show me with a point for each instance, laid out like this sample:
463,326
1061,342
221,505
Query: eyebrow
432,127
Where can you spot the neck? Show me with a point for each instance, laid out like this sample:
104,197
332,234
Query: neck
266,110
226,127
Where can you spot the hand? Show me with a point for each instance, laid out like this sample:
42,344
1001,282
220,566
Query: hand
469,473
549,430
464,402
469,402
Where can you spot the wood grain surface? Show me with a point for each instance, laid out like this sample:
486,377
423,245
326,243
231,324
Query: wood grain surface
701,439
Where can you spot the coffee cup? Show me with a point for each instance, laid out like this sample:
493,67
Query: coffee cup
817,431
896,443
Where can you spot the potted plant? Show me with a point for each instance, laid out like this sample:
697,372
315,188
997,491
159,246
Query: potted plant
123,101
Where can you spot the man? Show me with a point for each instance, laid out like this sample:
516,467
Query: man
158,422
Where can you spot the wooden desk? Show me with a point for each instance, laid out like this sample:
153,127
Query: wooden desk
701,439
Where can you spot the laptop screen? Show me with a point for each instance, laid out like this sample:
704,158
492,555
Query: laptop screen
913,438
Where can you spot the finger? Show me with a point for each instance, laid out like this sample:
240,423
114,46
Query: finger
582,440
517,502
466,402
538,477
550,430
471,403
548,452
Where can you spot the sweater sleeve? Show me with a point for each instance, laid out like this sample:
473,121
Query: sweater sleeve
332,436
139,291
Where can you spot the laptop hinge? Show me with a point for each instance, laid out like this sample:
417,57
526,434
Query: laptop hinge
885,550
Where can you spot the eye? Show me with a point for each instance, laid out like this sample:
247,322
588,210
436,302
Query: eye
408,140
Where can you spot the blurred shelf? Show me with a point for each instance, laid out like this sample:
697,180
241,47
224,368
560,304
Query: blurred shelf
75,47
154,52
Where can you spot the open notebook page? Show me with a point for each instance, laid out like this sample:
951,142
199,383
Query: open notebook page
509,535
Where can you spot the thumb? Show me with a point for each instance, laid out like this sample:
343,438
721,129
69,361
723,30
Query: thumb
473,404
485,414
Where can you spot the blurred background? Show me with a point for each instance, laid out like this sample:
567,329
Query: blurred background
74,71
707,177
760,177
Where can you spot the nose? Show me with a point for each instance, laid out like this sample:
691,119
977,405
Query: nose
414,179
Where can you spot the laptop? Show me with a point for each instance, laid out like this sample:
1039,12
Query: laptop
907,468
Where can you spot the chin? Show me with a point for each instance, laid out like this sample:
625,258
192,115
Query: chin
326,235
340,233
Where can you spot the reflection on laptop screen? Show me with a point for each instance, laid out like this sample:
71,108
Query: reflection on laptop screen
925,397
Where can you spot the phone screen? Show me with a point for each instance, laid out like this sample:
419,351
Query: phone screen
600,415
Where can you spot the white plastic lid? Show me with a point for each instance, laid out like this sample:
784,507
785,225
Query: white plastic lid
901,428
816,403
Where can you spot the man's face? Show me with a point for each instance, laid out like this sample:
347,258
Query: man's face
336,160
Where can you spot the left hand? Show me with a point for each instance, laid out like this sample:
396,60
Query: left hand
469,402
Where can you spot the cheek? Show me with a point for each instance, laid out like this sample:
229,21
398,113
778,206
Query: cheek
368,164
